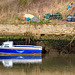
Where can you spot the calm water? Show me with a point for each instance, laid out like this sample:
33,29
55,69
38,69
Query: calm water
37,65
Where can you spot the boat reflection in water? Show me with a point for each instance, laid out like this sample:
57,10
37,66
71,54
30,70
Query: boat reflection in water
8,61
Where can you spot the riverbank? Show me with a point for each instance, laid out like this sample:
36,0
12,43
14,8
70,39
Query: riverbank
52,37
37,30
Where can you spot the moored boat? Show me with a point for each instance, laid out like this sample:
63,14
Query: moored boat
9,48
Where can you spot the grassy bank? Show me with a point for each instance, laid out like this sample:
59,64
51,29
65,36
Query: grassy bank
7,8
38,38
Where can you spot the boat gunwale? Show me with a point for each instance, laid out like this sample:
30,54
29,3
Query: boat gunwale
20,48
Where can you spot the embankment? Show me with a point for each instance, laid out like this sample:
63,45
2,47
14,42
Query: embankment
37,30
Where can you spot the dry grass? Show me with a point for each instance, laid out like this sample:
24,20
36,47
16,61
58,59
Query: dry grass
10,8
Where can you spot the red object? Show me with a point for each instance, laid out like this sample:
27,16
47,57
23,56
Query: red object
23,18
73,8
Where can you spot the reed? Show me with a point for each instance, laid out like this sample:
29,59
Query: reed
10,8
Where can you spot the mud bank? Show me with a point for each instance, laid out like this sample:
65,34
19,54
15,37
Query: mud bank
37,30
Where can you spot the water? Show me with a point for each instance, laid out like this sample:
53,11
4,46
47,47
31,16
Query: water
46,64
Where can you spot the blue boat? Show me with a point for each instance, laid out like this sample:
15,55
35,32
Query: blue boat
8,48
9,60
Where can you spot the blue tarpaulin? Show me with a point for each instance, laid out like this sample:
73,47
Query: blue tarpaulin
69,6
27,19
35,19
69,18
73,19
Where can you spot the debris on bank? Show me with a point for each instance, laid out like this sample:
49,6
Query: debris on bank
35,19
71,18
56,15
69,6
29,17
49,16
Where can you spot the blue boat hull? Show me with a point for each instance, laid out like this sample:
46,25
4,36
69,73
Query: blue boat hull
20,51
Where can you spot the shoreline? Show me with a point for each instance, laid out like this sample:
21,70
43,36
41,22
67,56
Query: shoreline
38,38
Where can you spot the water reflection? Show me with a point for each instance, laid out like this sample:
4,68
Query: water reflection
8,61
50,65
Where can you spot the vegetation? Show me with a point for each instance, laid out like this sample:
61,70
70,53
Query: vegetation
10,8
41,38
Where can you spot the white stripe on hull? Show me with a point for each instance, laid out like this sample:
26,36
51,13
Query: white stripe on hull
21,48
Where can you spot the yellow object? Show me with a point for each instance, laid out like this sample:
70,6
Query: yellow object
29,15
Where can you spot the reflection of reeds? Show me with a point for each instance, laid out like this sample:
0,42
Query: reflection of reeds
52,65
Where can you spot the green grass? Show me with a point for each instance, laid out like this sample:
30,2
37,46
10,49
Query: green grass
59,37
23,2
